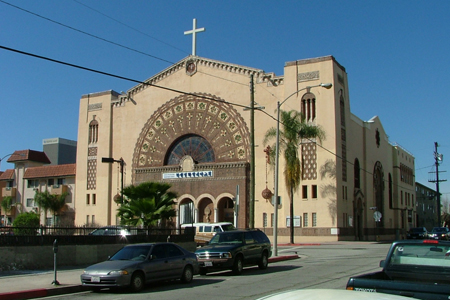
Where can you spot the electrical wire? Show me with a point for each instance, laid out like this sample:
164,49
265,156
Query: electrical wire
176,91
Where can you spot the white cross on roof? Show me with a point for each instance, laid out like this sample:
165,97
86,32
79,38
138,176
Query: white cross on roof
194,33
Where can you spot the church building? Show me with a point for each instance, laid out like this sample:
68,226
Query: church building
192,126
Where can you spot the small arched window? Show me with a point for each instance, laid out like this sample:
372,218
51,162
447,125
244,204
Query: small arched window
93,132
309,107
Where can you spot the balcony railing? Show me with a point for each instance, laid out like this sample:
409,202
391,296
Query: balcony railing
59,189
9,192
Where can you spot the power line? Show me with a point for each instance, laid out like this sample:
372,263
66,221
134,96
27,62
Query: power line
168,89
87,33
130,27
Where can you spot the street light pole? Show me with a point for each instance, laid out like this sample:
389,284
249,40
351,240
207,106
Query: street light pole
121,162
277,158
1,159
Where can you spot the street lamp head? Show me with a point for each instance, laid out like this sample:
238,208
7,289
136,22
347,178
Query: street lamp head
326,85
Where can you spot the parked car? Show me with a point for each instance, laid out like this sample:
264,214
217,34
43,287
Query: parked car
330,294
205,231
111,230
135,265
417,233
440,233
233,250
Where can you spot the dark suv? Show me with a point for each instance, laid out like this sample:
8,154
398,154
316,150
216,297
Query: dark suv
233,250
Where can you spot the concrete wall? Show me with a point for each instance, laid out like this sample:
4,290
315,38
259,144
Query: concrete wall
41,257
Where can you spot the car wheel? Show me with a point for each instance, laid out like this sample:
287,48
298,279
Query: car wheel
188,274
203,271
264,262
238,265
137,282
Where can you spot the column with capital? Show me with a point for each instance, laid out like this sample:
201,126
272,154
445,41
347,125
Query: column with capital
194,34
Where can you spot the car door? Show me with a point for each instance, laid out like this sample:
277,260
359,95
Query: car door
252,249
157,266
176,261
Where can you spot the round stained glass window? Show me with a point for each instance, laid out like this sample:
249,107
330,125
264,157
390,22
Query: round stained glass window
193,145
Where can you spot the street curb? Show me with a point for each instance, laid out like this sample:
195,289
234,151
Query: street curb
283,258
39,293
60,290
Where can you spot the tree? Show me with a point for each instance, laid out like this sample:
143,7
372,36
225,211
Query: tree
294,129
26,224
147,204
47,201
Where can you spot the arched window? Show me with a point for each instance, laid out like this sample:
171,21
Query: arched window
193,145
93,132
309,107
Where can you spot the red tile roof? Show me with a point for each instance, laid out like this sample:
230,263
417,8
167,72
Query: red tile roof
31,155
50,171
7,175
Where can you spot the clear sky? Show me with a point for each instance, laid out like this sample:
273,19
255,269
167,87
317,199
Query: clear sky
396,54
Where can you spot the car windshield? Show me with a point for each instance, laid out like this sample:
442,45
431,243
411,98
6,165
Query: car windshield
425,254
227,238
438,229
228,227
132,253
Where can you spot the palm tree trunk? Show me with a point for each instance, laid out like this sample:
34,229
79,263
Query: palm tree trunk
292,215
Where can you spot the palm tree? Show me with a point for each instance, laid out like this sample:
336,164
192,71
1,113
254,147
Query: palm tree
47,201
7,206
294,129
147,204
42,199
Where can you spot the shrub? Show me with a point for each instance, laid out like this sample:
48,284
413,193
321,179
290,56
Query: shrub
29,223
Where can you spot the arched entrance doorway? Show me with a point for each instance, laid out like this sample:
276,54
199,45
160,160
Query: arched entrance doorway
205,211
225,210
186,213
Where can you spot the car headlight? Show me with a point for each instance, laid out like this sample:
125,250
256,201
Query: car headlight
118,272
226,255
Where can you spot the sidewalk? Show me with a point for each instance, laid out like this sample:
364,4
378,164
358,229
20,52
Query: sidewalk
36,284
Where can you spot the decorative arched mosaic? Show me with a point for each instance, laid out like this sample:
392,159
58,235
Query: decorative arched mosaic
202,115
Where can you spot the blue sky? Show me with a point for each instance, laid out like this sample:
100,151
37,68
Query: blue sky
396,54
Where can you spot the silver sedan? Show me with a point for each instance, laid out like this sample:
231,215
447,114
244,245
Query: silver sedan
135,265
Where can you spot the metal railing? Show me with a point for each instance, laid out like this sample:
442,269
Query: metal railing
83,235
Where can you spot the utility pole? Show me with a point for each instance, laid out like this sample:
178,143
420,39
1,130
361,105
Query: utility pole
437,158
252,154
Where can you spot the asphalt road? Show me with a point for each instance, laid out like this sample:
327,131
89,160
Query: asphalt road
322,266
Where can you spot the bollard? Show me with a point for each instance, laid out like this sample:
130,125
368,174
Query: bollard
55,250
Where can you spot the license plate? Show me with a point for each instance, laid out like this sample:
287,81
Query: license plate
208,264
95,279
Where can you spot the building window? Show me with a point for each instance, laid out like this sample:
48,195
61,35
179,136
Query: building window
93,132
88,199
87,220
271,220
93,219
94,200
61,181
309,107
50,181
305,219
30,202
401,197
195,146
264,220
314,191
33,183
314,219
305,192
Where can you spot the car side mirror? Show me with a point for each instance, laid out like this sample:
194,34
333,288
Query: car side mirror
382,263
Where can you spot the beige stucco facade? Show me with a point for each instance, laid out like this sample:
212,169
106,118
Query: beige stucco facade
199,100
